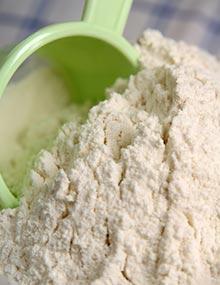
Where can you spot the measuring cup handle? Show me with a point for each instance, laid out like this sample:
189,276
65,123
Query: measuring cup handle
109,14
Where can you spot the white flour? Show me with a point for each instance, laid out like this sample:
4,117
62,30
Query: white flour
133,195
31,113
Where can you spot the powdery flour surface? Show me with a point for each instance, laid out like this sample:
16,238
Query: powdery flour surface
32,111
133,195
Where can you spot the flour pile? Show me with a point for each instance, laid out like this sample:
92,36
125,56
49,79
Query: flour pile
32,111
133,195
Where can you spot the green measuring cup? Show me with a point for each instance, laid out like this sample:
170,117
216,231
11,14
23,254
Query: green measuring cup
89,56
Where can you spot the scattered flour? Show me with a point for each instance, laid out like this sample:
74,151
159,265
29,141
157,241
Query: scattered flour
133,195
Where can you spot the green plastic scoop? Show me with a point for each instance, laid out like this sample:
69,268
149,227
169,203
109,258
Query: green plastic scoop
89,55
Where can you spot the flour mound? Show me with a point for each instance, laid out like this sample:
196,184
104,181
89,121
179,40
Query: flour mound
133,195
